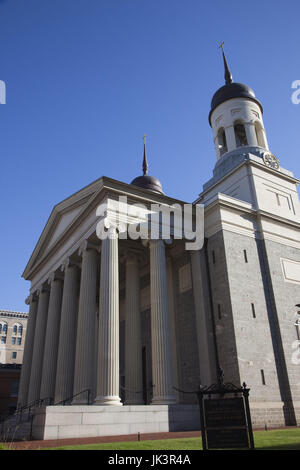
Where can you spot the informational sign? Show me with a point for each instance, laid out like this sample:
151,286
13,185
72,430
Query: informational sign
225,423
225,416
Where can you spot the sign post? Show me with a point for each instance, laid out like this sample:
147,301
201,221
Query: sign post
225,422
225,418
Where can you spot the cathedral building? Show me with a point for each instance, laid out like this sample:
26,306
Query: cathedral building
120,328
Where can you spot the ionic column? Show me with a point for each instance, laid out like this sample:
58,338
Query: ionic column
133,340
163,392
108,342
251,134
67,334
85,342
38,346
230,138
28,350
52,337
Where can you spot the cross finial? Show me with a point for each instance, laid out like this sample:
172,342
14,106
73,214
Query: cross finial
221,45
228,76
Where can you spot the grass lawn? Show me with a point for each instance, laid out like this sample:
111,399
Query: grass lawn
283,439
279,439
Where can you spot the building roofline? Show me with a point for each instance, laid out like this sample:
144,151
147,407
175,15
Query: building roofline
12,313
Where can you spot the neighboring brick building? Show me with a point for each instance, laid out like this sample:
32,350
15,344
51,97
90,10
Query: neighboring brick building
12,337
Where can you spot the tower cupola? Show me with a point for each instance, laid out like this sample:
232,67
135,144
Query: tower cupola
236,116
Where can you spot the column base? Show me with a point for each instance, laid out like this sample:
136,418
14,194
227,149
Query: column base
108,401
164,400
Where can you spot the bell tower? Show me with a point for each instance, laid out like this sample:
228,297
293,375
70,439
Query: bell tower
252,227
245,168
236,116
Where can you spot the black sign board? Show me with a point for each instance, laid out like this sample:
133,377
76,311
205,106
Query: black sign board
225,422
224,412
227,438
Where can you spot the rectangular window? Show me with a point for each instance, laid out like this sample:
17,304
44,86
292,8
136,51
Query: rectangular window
263,381
13,340
245,256
253,311
14,355
19,340
3,339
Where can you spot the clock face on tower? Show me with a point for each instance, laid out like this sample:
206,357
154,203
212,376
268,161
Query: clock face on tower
271,161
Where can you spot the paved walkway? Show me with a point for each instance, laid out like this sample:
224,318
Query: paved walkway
30,445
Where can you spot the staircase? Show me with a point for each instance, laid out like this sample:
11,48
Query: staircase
16,427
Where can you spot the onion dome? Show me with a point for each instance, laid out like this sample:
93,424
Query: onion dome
231,90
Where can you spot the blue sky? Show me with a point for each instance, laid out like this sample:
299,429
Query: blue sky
87,78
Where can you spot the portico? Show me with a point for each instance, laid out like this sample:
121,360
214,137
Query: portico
77,281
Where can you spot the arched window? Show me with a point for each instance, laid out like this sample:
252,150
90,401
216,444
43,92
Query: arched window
222,143
3,332
259,134
3,328
240,134
17,329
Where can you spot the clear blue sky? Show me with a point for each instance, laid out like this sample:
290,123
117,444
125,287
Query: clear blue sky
87,78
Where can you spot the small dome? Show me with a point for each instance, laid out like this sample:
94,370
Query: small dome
232,90
148,182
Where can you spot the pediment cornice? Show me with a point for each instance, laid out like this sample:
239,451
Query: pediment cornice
87,201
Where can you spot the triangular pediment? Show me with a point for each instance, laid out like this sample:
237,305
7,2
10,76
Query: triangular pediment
63,222
71,214
61,219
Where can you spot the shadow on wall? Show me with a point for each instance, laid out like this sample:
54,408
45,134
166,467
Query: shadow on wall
184,418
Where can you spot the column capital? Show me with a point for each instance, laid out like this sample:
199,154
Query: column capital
55,276
112,230
43,288
33,296
154,241
87,245
68,263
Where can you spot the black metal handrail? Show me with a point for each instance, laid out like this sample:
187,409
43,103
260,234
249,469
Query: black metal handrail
63,402
20,411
